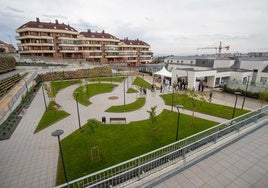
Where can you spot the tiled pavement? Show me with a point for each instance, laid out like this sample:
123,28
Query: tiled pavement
241,164
30,160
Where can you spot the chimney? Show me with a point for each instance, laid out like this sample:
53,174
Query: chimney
88,30
37,19
56,21
102,31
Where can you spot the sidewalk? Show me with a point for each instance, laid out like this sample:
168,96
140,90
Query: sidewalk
243,163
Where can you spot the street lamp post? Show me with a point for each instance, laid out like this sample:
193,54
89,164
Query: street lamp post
124,92
178,121
77,108
172,97
245,92
44,96
26,85
57,133
236,93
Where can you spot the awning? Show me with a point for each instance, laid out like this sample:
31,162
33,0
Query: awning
164,72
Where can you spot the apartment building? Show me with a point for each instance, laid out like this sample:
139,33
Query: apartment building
63,41
135,52
47,39
99,47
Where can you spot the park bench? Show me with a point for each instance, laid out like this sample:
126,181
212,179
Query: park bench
118,119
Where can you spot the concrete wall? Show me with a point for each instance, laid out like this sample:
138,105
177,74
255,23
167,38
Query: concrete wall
223,63
248,64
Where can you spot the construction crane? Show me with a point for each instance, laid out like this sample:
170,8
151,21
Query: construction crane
219,48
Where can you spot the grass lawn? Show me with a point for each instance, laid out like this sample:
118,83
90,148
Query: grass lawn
120,142
93,89
111,79
52,115
56,86
131,90
140,102
142,83
204,107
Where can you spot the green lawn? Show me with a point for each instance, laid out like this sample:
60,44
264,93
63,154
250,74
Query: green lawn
140,102
204,107
131,90
51,116
93,89
142,83
111,79
120,142
56,86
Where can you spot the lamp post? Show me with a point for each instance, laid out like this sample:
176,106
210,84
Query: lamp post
178,121
236,93
26,85
172,97
44,96
77,108
124,92
245,92
57,133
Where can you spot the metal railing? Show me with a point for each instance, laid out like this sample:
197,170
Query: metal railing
142,166
14,100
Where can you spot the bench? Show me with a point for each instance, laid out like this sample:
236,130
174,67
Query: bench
118,119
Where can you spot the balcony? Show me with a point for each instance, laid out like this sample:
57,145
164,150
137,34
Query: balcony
90,45
70,51
33,37
70,45
36,51
35,44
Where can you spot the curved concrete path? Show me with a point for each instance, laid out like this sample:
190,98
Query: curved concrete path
30,160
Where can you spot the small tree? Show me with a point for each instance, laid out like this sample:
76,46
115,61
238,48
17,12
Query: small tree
152,117
263,96
93,125
49,90
195,100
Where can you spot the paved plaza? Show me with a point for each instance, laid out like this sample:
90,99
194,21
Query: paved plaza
30,160
243,163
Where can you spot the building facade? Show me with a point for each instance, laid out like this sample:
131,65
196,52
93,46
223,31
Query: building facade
236,72
63,41
6,48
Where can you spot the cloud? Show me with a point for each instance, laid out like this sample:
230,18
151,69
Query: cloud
54,16
171,26
83,25
14,9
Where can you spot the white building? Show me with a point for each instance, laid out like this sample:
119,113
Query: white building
218,71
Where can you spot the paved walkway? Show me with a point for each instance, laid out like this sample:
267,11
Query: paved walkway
30,160
241,164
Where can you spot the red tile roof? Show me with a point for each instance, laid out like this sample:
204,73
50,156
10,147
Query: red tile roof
47,25
134,42
90,34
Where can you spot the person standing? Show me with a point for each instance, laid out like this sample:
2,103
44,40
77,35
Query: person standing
210,96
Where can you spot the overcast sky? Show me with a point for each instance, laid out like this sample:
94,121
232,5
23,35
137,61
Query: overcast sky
175,27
